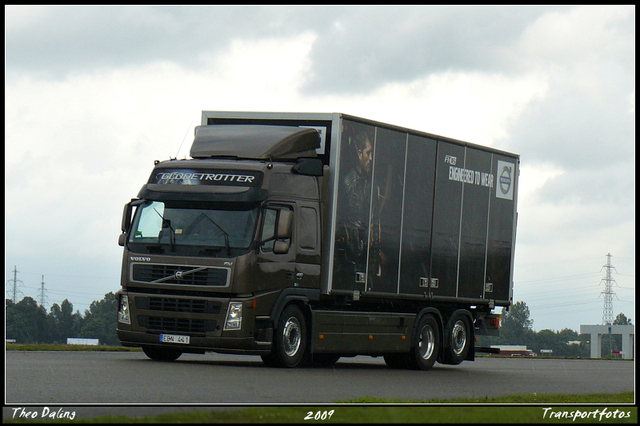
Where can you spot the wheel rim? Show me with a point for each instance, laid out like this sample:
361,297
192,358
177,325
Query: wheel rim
427,342
291,336
458,337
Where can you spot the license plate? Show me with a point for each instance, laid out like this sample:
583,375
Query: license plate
174,338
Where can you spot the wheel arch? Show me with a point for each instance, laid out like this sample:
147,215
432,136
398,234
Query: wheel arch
300,297
426,311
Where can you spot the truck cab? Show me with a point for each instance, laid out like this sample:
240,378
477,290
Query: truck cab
211,242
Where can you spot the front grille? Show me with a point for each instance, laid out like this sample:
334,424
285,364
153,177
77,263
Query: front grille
176,325
170,304
181,275
176,305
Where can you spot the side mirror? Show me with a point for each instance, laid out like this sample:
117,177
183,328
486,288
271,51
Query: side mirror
126,217
126,213
285,222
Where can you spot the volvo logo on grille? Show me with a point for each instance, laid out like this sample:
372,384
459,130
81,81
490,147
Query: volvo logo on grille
178,275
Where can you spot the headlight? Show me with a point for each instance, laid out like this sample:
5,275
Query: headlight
234,316
123,312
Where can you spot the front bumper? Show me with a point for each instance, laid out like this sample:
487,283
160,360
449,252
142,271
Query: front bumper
228,345
201,318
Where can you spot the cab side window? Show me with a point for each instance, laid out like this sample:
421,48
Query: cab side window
308,228
269,229
276,229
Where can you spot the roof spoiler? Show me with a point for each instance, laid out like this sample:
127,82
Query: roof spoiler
261,142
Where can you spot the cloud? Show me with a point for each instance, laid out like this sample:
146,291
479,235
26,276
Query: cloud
358,47
577,35
271,70
367,47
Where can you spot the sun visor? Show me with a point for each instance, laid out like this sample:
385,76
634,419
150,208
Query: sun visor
262,142
204,193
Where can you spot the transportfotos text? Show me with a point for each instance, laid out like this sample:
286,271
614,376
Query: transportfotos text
599,414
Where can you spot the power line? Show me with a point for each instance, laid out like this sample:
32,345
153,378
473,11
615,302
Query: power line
564,278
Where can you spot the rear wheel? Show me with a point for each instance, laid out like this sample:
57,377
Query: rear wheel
427,344
459,340
161,354
290,340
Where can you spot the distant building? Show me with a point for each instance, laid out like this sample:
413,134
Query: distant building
597,331
546,352
80,341
513,350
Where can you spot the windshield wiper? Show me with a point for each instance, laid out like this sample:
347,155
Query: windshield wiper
166,223
226,235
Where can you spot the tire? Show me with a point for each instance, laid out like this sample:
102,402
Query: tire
426,344
459,340
162,354
290,340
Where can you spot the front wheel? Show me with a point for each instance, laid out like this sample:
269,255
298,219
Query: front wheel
290,340
427,344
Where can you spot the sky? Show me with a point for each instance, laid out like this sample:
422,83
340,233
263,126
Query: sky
95,94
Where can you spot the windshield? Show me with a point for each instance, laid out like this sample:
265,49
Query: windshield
192,229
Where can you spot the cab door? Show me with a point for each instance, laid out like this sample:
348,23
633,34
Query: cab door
308,245
276,258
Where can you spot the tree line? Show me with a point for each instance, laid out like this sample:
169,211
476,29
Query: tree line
28,322
516,328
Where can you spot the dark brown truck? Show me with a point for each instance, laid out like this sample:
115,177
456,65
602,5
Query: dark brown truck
304,238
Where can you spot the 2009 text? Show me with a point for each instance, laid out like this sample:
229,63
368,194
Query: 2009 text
319,415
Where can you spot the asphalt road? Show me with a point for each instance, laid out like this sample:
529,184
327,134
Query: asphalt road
103,378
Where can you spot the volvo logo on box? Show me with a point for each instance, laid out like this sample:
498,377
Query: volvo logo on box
504,189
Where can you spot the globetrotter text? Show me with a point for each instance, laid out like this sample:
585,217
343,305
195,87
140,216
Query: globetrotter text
216,177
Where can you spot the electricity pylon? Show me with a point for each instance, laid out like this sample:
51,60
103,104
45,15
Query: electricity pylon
607,311
14,285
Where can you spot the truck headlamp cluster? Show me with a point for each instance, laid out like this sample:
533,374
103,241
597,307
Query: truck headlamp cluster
123,311
234,316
